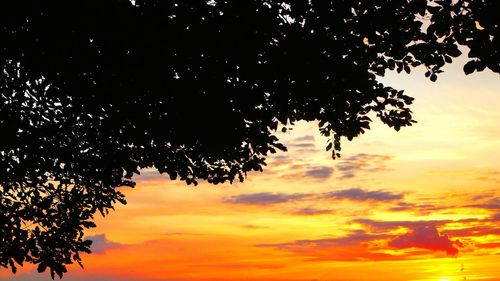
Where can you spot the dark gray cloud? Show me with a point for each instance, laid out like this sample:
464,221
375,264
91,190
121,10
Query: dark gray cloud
358,194
264,198
100,243
320,173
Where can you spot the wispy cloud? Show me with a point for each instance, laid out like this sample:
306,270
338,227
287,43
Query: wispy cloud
253,226
421,209
320,172
385,226
353,238
356,245
303,142
264,198
308,211
476,231
241,265
350,167
492,204
358,194
353,194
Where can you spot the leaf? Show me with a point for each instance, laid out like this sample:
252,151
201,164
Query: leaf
329,146
454,52
469,67
41,267
19,258
433,79
280,146
407,69
12,266
480,66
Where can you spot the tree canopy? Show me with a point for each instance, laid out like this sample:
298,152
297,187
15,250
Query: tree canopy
93,91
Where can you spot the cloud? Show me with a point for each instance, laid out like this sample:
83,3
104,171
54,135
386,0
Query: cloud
311,211
276,160
363,245
476,231
358,194
253,226
350,166
320,173
492,204
303,145
488,245
149,174
241,265
305,171
426,237
353,238
357,245
493,218
353,194
305,138
385,226
182,234
303,142
486,225
422,209
264,198
486,195
100,243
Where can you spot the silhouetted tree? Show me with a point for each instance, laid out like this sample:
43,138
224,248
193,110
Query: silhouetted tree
92,91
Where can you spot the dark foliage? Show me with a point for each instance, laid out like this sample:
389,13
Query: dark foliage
92,91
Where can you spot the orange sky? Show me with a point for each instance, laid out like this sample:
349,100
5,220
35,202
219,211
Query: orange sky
420,204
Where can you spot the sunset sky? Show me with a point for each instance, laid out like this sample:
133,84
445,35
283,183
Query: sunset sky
420,204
